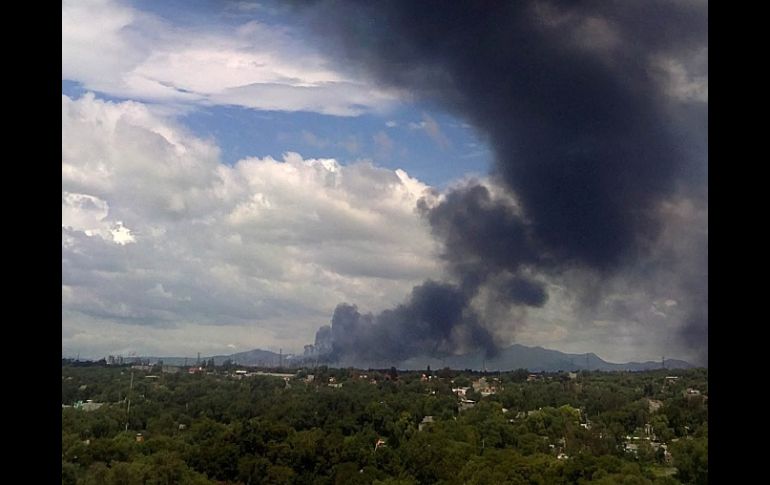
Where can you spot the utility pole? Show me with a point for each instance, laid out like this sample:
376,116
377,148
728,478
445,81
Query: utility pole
128,408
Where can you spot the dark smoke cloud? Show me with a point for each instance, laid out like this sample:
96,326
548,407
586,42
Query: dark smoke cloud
436,320
481,236
587,138
520,291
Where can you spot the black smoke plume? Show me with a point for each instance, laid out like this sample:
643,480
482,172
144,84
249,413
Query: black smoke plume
436,320
588,140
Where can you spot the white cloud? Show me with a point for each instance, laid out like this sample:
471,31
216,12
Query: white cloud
118,50
89,214
263,249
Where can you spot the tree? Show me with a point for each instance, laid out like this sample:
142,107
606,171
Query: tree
257,430
691,460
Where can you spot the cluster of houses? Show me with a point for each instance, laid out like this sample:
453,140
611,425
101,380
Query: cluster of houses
647,434
89,405
483,386
633,443
486,386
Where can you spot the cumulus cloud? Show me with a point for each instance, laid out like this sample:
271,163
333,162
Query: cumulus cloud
88,214
115,49
157,233
598,125
261,252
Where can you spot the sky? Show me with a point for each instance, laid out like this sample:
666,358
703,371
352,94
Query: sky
232,172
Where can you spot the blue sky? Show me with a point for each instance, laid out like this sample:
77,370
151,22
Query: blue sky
393,137
224,187
225,184
397,139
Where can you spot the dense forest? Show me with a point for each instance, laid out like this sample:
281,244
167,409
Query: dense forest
222,424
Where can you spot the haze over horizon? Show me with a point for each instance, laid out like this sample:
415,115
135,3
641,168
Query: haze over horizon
433,178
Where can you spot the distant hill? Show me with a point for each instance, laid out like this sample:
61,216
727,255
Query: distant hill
254,357
516,356
536,359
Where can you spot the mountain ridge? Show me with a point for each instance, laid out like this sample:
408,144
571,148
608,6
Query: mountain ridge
515,356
